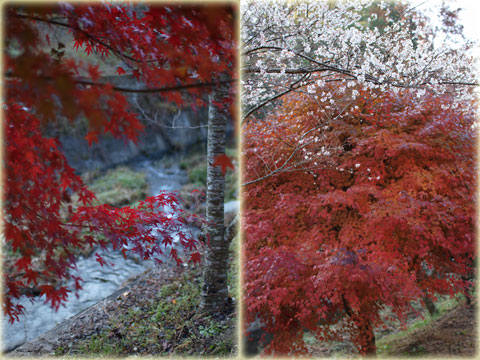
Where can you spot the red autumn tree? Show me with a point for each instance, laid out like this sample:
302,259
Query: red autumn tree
168,48
373,196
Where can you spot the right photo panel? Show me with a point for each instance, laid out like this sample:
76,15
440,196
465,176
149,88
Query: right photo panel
359,132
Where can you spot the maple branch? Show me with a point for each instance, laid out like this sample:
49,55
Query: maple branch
212,84
87,34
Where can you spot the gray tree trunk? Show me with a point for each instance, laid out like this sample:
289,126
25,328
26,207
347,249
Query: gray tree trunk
215,263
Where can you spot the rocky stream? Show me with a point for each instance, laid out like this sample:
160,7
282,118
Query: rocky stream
99,282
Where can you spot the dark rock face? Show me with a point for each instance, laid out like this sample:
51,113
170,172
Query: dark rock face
167,129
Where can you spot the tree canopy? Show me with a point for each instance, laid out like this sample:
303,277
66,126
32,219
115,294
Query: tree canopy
374,208
360,172
383,46
168,49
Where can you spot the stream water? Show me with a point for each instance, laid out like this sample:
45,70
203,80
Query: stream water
99,282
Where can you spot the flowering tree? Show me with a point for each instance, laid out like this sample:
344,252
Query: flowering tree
168,48
285,43
357,163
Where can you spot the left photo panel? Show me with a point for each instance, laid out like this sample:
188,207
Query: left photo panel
119,173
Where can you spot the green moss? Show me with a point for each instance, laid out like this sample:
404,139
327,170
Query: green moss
120,186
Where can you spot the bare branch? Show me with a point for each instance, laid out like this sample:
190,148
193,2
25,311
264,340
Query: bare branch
158,123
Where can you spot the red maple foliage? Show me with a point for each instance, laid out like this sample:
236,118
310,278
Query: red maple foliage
373,203
224,162
168,48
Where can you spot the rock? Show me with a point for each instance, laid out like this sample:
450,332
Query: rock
232,206
173,130
256,338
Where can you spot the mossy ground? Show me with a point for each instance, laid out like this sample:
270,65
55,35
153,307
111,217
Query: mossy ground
118,187
166,322
409,342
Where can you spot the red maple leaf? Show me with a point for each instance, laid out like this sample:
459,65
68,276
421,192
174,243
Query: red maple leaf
195,257
224,162
120,71
91,137
100,259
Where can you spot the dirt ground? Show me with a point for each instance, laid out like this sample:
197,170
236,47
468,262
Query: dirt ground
453,334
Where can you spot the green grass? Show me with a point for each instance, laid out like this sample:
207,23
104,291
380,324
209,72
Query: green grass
198,175
443,305
231,185
231,178
169,324
234,265
120,187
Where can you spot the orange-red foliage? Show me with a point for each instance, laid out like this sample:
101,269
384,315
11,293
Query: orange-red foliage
373,208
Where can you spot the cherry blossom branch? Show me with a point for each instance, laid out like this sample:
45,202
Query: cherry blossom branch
395,57
291,88
283,167
368,77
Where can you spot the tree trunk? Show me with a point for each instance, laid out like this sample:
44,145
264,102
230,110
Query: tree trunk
432,309
214,289
468,288
364,338
369,348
